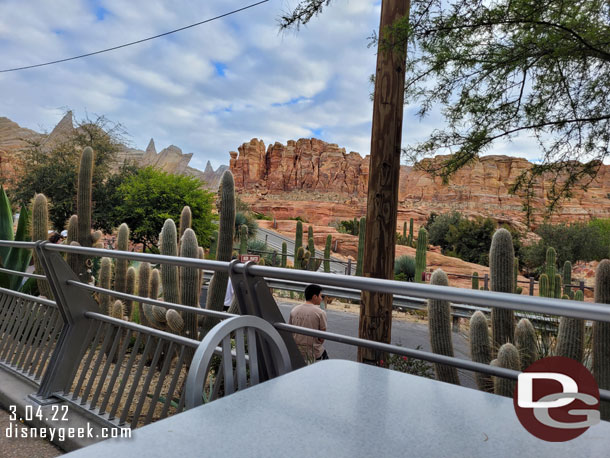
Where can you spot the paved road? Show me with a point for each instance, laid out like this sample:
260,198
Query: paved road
274,240
22,447
404,333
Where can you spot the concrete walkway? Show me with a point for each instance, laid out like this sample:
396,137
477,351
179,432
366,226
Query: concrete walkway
12,447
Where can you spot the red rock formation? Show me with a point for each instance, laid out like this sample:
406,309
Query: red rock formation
320,182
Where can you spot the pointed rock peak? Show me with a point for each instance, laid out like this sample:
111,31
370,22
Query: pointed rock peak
65,125
209,168
151,147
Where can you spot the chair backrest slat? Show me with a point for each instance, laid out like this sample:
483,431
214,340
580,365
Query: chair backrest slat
227,364
240,359
253,352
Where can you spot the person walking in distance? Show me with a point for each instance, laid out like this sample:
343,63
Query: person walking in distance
310,315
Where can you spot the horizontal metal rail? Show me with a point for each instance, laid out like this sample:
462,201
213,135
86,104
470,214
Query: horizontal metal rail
28,297
568,308
16,244
417,354
147,300
143,329
216,266
22,274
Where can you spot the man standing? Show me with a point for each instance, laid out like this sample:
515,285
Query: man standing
310,315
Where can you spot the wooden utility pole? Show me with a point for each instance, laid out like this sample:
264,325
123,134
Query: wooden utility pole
382,204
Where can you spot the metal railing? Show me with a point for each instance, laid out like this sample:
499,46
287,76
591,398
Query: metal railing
125,372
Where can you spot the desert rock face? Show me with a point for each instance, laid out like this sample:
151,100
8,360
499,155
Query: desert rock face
14,138
320,182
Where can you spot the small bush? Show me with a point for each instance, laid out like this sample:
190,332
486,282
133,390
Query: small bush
404,268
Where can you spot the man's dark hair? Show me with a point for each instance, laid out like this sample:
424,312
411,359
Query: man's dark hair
311,291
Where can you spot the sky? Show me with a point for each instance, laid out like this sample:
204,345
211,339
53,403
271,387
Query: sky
207,89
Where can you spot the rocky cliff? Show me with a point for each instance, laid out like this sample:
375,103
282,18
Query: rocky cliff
316,180
14,138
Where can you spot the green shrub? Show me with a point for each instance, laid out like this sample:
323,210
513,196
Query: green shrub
404,267
247,220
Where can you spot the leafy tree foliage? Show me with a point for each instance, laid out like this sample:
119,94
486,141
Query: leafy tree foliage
467,239
499,68
150,196
573,242
53,171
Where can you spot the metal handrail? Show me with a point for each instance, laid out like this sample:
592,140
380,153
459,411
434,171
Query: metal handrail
28,297
22,274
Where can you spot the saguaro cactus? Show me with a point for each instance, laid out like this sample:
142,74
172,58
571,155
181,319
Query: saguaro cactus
243,239
104,281
404,231
284,254
83,208
567,279
480,350
475,280
526,342
130,288
298,238
143,289
120,272
439,315
551,269
189,281
361,241
601,336
213,245
571,335
410,240
169,273
71,258
226,229
420,254
557,286
329,241
40,231
501,265
186,218
508,357
543,285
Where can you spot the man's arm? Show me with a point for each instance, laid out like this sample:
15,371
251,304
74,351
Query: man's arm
322,325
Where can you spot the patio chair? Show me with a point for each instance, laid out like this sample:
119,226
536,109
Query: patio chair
217,366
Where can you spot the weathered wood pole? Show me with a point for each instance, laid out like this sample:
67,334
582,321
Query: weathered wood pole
382,204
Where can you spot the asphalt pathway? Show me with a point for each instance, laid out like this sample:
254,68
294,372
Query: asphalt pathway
19,447
404,333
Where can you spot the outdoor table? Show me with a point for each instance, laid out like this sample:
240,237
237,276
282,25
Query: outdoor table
339,408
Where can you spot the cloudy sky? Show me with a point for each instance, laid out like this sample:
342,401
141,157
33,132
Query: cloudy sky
207,89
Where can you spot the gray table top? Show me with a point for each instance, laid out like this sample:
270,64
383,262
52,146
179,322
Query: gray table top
340,408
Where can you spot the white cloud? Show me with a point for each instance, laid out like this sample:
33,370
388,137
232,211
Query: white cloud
207,89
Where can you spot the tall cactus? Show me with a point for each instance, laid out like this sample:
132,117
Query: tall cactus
557,286
186,219
551,269
189,282
120,271
40,231
298,239
601,336
71,258
130,288
243,239
312,251
143,289
169,273
404,231
543,285
226,229
518,289
526,342
329,241
104,281
361,242
475,280
284,254
439,316
213,245
508,357
501,265
480,350
567,279
420,254
410,239
571,335
83,208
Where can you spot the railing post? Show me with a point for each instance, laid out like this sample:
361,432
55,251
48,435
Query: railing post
486,282
581,286
531,286
266,236
72,303
254,298
274,259
349,266
336,241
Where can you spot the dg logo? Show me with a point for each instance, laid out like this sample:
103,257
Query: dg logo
556,399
